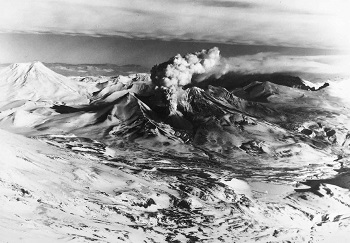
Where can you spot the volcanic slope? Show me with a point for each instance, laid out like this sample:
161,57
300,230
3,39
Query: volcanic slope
126,117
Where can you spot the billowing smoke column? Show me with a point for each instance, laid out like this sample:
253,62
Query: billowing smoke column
178,71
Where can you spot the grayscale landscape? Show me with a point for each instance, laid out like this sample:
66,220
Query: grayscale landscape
174,121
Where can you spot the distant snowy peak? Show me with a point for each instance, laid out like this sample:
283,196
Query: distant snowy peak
35,82
27,71
27,65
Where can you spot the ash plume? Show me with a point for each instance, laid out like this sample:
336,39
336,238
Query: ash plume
169,77
178,71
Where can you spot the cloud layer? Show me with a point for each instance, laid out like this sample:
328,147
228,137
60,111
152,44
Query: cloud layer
313,23
273,62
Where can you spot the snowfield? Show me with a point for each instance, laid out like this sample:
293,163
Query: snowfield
125,159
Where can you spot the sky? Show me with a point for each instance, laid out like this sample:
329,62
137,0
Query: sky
146,32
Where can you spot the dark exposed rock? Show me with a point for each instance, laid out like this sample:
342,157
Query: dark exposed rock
307,131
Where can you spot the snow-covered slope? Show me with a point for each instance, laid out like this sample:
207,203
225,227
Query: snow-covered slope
50,193
35,82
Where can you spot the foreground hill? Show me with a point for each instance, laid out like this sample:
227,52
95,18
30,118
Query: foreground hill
59,193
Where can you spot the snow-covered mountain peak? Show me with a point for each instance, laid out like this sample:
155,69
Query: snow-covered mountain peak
34,81
28,66
31,70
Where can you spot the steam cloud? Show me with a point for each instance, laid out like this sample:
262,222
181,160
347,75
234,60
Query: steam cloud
170,76
178,71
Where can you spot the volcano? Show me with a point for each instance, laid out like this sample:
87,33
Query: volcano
35,82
